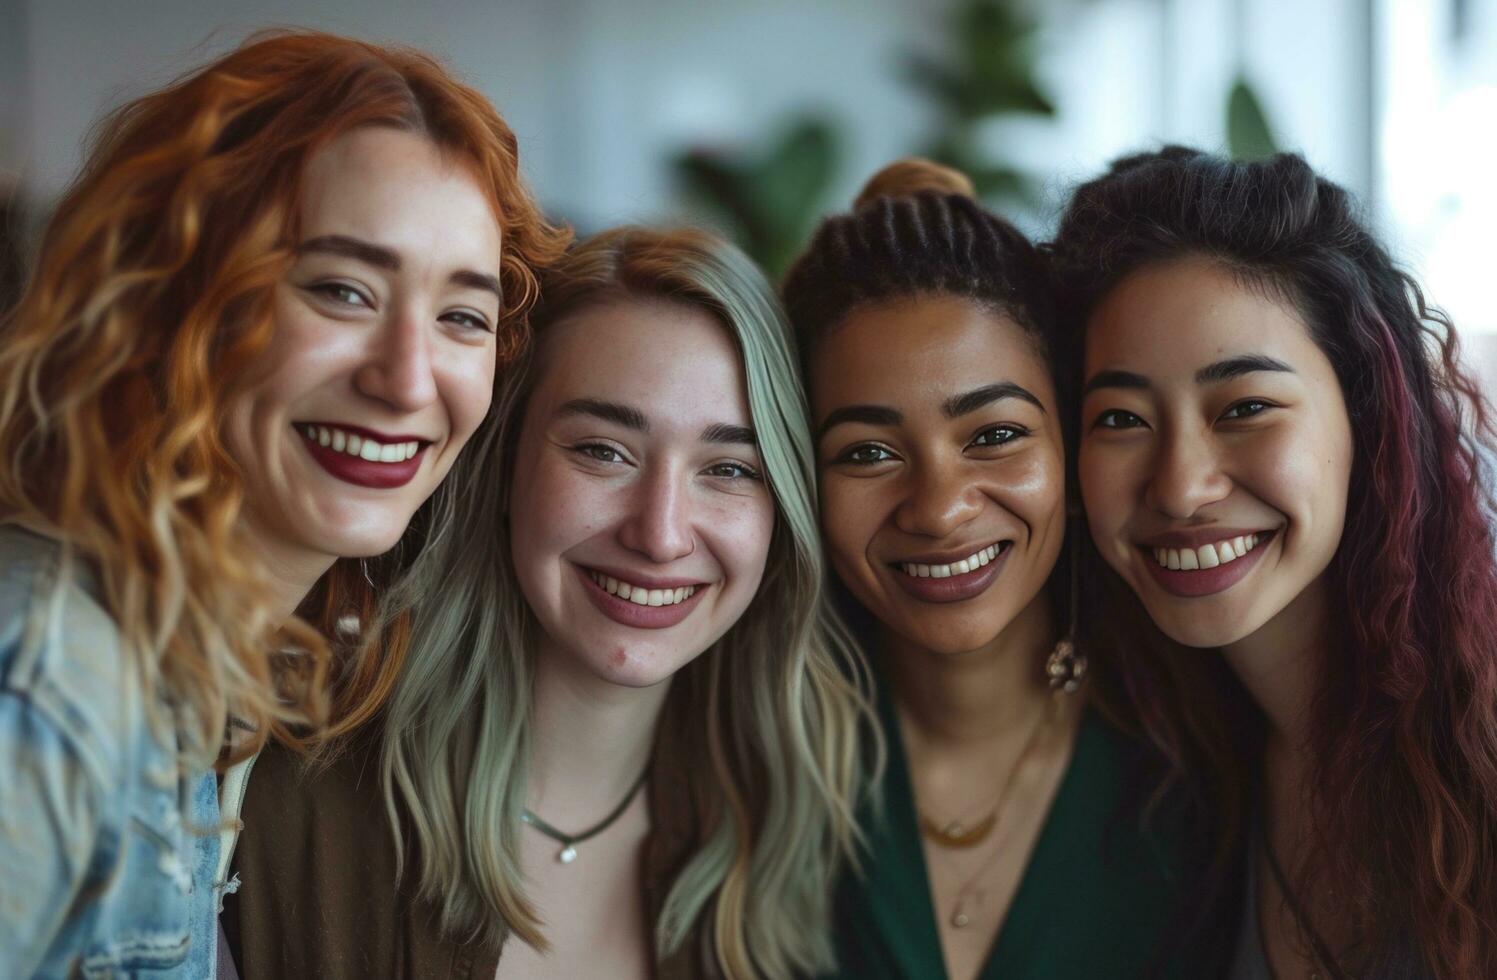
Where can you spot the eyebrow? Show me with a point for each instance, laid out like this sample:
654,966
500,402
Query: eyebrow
959,405
386,258
722,433
719,433
1114,379
624,415
867,414
1236,367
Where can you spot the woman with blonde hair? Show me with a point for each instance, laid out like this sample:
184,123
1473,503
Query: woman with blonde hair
264,322
619,740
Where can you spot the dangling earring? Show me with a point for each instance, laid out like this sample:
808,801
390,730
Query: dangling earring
1065,668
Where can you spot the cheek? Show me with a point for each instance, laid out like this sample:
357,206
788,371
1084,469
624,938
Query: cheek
1032,488
552,507
1110,477
851,512
466,381
1304,472
741,531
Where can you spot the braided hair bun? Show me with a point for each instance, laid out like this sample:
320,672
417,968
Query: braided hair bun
910,176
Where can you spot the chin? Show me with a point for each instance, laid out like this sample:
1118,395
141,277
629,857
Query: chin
362,542
1200,629
636,670
951,642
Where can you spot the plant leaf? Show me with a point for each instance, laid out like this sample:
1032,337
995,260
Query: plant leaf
1249,136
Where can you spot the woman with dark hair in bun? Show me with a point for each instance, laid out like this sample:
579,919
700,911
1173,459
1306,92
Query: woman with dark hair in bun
1007,839
1277,458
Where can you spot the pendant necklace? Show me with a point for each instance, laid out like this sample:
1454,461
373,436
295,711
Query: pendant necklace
961,914
569,842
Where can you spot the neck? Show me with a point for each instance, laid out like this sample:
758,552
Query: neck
1279,664
289,574
590,739
974,697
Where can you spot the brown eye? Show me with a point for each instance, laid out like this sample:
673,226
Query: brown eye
1116,418
999,435
1246,409
865,454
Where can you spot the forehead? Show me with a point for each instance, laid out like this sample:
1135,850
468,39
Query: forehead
397,189
918,351
1169,320
672,361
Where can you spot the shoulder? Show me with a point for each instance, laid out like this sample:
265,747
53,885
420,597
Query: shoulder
336,805
321,890
61,657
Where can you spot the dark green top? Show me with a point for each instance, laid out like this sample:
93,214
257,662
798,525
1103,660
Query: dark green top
1099,897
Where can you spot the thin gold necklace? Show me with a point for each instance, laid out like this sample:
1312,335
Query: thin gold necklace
957,834
961,914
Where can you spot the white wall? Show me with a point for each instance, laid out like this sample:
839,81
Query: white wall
599,92
602,92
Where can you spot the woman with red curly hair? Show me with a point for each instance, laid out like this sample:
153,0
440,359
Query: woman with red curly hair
264,322
1277,459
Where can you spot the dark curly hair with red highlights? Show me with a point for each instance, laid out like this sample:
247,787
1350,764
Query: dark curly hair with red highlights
1403,792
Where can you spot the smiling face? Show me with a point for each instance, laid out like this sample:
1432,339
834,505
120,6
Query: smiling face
942,475
639,520
382,361
1215,450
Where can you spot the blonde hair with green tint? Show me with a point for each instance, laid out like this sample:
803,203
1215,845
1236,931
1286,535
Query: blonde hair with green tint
776,708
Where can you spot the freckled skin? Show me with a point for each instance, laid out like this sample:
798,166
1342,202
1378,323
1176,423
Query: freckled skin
942,491
1188,464
397,354
662,509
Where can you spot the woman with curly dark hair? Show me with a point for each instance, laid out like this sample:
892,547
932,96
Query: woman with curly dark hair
1277,456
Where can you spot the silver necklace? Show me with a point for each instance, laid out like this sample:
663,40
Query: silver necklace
569,842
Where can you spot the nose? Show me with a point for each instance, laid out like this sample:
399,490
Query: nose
940,500
398,367
659,524
1187,476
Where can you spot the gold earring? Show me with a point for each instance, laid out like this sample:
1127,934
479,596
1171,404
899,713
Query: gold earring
1065,668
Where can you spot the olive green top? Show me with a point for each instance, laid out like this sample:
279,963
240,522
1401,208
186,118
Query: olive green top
1101,894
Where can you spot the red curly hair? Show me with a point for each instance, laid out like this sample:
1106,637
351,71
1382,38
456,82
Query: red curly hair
151,298
1403,792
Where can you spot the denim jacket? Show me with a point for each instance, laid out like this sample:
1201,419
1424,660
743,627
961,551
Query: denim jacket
108,848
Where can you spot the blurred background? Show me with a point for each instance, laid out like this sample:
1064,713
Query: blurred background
758,116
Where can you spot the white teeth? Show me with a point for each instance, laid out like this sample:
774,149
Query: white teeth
966,565
346,442
641,596
1207,555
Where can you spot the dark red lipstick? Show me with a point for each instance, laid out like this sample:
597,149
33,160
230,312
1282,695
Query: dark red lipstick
365,472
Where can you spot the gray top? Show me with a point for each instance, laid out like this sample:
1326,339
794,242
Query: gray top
1250,962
